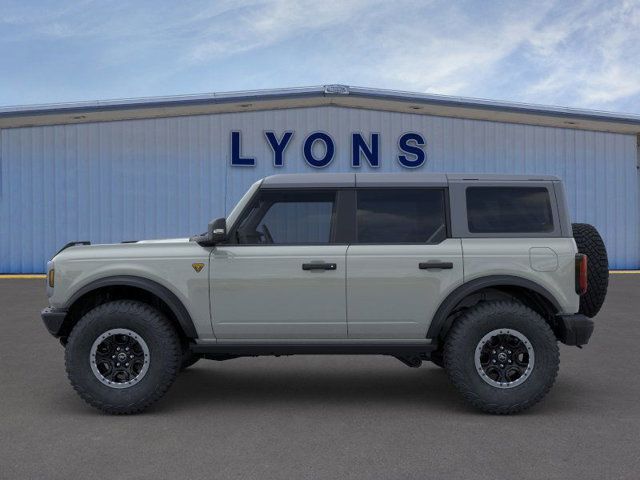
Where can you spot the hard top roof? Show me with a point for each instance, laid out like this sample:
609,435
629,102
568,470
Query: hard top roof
343,180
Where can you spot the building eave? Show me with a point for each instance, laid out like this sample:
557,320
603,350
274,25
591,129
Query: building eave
337,95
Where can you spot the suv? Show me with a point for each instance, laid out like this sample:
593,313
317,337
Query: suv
480,274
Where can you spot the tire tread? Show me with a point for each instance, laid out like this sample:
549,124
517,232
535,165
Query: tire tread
454,367
591,244
166,332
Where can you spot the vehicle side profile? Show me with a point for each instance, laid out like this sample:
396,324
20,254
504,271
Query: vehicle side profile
480,274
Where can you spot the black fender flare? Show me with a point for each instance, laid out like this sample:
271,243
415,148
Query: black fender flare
160,291
439,321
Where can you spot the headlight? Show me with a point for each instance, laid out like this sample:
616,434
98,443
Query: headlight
52,277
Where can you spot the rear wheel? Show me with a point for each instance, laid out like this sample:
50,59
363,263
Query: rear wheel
502,356
591,244
122,356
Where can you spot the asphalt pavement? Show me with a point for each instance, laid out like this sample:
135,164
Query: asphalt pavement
317,417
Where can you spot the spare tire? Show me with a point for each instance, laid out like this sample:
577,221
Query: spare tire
590,243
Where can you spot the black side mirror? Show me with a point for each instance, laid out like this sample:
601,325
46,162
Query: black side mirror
216,233
218,230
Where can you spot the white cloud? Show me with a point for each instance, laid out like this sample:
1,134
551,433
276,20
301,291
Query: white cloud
581,53
428,46
589,55
451,60
262,24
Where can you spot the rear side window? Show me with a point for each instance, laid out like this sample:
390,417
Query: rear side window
401,216
509,210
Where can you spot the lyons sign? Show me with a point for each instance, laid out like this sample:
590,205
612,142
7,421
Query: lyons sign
318,149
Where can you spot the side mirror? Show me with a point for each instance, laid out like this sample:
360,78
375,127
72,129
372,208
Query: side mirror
216,233
218,230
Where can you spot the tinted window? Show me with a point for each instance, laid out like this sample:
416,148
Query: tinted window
509,210
401,216
288,217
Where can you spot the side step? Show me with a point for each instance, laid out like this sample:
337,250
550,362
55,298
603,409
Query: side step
405,350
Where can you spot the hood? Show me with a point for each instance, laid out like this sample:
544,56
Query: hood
78,250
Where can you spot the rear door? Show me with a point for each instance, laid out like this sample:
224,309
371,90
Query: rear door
402,263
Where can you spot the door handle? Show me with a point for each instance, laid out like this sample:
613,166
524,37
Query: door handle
319,266
435,265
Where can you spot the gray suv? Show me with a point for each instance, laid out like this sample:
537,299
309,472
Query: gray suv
479,274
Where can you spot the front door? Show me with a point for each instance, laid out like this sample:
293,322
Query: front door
283,274
402,263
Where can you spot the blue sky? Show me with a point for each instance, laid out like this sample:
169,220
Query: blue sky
571,53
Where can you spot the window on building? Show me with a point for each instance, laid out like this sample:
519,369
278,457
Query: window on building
401,216
288,217
509,210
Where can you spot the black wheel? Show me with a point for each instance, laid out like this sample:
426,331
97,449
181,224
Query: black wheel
590,243
502,356
122,356
188,359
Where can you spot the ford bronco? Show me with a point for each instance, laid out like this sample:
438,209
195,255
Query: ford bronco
480,274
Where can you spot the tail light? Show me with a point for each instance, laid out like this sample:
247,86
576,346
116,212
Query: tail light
581,274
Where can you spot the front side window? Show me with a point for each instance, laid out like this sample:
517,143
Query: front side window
401,216
288,217
509,210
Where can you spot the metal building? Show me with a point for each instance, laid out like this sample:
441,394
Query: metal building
163,167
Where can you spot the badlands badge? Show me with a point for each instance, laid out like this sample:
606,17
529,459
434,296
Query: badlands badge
198,266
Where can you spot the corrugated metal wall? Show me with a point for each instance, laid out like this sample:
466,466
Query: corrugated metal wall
125,180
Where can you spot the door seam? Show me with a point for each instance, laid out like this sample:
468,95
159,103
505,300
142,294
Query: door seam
346,294
462,258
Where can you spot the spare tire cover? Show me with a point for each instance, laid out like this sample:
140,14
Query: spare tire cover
590,243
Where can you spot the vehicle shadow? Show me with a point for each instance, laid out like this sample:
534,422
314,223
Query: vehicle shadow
427,386
316,385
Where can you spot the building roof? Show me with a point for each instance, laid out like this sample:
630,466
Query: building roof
338,180
337,95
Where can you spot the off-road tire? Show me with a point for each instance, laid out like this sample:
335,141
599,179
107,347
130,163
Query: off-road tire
164,352
590,243
464,337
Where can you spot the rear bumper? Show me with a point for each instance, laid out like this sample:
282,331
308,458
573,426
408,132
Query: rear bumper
53,319
574,329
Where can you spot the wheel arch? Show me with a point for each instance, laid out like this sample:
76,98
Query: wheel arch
130,286
520,288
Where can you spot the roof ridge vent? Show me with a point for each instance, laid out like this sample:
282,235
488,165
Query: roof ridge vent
336,89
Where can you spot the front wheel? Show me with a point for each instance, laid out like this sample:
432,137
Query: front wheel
122,356
502,356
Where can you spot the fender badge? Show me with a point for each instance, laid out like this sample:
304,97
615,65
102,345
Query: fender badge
197,266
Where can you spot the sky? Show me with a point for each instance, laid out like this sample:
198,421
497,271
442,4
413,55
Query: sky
583,54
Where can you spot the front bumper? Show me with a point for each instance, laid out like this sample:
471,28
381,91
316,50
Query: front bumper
53,319
574,329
